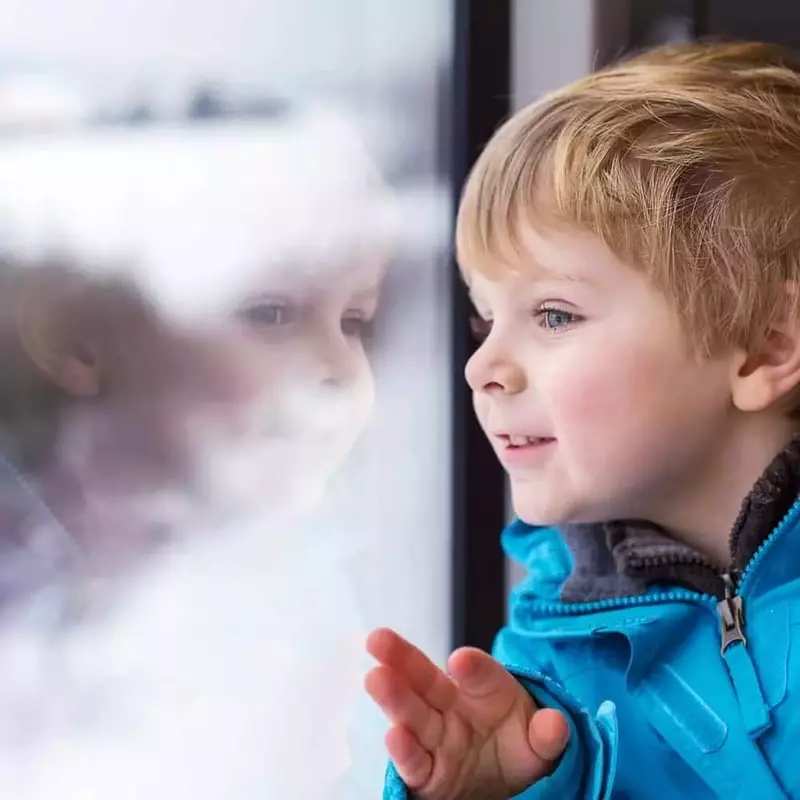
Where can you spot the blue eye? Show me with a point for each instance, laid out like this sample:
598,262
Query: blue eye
556,319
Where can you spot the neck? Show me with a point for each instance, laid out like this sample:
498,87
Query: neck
704,508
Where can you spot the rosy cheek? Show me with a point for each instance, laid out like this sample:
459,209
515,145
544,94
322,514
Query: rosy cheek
575,384
607,390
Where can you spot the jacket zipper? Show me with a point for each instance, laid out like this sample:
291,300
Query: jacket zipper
731,608
740,666
731,615
733,641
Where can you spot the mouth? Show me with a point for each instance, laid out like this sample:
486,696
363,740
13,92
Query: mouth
515,441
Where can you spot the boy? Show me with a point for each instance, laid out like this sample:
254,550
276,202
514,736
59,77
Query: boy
632,245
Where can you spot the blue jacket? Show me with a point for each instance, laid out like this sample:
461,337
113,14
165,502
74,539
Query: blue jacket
671,693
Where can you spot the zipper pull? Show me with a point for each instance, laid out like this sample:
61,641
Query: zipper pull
731,616
742,670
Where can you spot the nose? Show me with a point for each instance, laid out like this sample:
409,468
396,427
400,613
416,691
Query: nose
338,363
492,369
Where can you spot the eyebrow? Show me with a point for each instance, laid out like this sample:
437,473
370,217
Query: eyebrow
539,272
541,275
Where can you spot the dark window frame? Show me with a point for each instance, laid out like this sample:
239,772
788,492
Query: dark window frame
481,101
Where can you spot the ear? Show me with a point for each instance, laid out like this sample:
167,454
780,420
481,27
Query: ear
53,330
766,376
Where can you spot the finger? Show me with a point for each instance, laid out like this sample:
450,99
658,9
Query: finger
412,762
403,707
548,734
479,676
423,676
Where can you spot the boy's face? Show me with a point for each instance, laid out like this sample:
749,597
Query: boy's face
590,363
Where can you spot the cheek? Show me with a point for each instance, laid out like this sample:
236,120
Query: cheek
221,368
594,388
240,379
188,382
625,403
246,368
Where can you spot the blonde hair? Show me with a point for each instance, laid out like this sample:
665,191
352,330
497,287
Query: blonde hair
684,161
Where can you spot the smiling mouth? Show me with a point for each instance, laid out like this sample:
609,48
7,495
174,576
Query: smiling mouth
517,442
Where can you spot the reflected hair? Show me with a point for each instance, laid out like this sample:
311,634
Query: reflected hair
32,404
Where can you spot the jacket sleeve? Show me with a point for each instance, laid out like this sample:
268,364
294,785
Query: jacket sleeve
584,772
586,769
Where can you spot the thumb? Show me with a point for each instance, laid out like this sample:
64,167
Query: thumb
481,677
548,734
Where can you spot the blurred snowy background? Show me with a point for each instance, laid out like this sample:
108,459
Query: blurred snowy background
224,392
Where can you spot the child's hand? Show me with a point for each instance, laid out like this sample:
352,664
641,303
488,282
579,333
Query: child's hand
477,734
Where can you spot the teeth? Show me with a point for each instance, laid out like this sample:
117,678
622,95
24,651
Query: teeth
515,440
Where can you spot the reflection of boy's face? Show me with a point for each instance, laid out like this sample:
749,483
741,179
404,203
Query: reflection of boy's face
291,386
257,406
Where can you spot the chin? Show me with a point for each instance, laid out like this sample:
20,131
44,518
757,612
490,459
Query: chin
539,514
543,512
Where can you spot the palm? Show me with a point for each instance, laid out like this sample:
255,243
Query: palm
494,738
456,738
